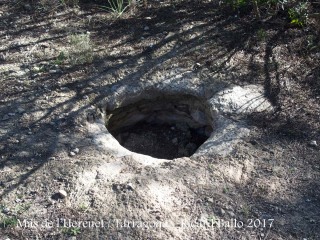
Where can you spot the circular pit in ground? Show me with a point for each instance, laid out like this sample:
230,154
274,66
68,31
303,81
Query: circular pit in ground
165,127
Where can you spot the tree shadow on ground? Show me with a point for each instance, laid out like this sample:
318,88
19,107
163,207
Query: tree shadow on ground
186,34
220,36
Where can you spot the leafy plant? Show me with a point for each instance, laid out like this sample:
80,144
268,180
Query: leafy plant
60,59
299,14
261,34
117,7
226,189
83,207
236,4
72,231
22,208
9,222
212,220
297,10
246,210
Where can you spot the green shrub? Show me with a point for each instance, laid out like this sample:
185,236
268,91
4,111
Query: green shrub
8,222
297,11
80,50
298,15
72,231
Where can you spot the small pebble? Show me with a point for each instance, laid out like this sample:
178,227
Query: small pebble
232,214
65,89
2,56
62,193
72,154
210,200
6,210
36,69
146,28
313,143
27,7
130,186
76,150
20,110
222,212
53,71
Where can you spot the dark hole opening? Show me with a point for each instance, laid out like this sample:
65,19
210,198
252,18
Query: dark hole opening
165,128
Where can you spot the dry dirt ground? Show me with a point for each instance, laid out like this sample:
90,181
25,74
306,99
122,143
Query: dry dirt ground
268,188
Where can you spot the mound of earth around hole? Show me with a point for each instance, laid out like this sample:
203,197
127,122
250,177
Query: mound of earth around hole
174,120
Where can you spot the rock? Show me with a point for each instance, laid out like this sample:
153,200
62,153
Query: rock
53,71
18,200
65,89
313,143
241,100
196,66
72,154
62,193
27,7
174,141
35,69
146,28
210,200
11,114
20,110
76,150
232,214
5,210
2,57
130,186
222,212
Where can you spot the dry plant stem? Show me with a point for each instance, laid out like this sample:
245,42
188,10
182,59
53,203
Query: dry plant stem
256,9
